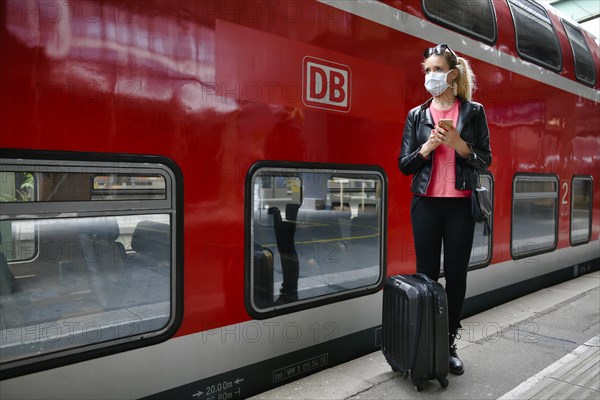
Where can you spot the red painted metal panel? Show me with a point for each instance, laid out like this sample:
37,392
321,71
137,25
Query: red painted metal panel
217,86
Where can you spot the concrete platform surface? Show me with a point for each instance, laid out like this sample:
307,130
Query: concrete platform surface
544,345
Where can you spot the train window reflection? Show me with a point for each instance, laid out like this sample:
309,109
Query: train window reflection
581,210
16,186
536,38
57,185
481,253
584,63
475,18
95,279
87,276
22,244
534,214
129,187
316,234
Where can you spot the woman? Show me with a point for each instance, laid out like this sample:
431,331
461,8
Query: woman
443,159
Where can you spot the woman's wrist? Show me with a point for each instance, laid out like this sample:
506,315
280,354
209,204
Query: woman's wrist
463,149
424,152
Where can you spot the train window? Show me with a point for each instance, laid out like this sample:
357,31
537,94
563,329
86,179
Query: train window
584,64
581,210
481,251
534,214
315,234
475,18
536,38
102,269
481,254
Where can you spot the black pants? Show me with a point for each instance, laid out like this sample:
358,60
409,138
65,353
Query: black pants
284,235
435,221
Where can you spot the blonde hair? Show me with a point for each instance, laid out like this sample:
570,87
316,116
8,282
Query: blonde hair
465,82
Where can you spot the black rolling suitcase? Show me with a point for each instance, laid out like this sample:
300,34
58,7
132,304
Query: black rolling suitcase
415,328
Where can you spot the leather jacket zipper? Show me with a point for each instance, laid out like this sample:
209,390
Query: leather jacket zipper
430,173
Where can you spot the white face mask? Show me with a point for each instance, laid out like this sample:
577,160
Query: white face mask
435,82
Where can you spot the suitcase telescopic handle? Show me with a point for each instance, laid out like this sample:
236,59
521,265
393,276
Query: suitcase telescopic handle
421,275
440,302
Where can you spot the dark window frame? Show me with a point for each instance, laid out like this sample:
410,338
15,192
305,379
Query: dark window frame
526,56
292,168
490,242
461,29
533,176
73,355
591,208
587,48
490,238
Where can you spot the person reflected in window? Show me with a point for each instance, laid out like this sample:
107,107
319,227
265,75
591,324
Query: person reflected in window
285,231
445,140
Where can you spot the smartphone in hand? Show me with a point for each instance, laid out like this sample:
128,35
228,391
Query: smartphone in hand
445,123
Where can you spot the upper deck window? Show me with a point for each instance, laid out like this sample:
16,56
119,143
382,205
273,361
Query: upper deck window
536,38
584,64
474,18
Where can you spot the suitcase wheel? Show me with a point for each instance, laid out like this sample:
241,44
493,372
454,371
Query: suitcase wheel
418,385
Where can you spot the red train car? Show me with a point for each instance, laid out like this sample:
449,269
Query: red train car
169,168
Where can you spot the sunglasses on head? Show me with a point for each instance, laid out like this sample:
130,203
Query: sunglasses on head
437,50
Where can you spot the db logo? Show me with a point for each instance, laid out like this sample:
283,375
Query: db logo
326,84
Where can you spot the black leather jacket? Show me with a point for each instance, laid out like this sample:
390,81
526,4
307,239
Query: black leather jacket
473,129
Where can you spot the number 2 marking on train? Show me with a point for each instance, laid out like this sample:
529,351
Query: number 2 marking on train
565,186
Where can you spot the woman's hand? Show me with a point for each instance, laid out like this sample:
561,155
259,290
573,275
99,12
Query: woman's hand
449,136
431,144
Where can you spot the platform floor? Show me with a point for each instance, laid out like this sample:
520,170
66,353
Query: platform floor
575,376
542,346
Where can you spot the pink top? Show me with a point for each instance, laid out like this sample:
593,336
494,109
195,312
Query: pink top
443,173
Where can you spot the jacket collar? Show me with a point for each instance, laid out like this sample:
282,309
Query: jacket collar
466,111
